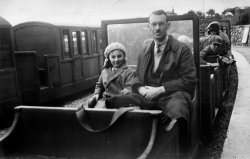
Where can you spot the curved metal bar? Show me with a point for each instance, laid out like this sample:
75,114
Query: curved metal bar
11,129
149,147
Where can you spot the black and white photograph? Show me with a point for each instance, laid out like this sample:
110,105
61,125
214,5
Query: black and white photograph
124,79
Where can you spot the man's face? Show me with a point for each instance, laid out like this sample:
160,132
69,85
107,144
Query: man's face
158,26
213,32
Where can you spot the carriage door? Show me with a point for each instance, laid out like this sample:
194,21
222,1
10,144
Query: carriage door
67,62
95,49
78,61
90,51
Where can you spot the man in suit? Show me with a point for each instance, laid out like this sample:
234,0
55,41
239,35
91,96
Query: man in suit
166,74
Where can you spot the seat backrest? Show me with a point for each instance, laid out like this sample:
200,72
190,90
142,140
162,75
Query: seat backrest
51,131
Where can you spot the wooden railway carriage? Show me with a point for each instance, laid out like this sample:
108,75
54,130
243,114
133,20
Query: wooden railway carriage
109,133
9,90
55,61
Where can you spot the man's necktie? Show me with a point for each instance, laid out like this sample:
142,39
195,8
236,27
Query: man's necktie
158,48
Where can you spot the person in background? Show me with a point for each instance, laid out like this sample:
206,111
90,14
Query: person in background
186,40
214,28
116,77
211,51
165,77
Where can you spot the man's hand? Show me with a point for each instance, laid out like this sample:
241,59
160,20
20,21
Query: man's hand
142,90
153,92
225,60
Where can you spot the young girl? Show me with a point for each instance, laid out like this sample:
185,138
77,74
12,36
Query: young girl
116,77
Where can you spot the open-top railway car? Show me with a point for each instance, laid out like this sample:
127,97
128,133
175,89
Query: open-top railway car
214,80
9,91
55,61
109,133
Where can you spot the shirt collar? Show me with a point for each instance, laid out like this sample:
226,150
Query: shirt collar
114,69
162,44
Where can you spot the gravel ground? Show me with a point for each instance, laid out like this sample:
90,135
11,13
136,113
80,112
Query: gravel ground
75,100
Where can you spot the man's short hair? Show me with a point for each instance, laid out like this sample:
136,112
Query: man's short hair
159,12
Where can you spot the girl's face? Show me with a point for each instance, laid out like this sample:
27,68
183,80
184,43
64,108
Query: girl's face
116,58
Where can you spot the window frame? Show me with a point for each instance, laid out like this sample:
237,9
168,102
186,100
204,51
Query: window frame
78,42
94,49
86,42
69,54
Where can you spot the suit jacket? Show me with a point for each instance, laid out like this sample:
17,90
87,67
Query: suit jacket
179,72
119,82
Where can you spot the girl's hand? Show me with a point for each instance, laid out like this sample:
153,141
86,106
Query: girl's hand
125,91
92,102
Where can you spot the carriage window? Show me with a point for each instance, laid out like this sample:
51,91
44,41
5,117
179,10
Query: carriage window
75,39
94,41
84,42
100,40
66,44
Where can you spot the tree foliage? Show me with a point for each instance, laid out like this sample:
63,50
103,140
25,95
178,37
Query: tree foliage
211,12
191,12
217,16
201,14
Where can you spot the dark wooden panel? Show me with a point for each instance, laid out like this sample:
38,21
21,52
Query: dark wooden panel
9,96
8,86
91,67
39,38
60,134
6,53
66,72
207,98
78,69
53,69
6,59
27,70
101,61
28,76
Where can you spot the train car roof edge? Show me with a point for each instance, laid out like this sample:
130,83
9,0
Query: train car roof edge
51,25
4,23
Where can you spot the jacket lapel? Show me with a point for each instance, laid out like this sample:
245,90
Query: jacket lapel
169,58
112,75
146,59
